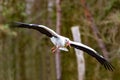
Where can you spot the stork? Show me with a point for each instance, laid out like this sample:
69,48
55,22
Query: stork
61,42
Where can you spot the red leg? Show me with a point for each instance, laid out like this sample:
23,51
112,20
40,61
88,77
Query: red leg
54,49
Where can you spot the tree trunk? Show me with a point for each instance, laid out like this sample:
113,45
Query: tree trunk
58,28
29,4
79,53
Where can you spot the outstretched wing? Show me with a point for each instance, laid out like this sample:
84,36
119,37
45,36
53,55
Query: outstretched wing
41,28
93,53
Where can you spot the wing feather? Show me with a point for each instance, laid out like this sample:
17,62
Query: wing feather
41,28
94,54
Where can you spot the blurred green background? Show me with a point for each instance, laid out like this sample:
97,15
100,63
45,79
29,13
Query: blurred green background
24,54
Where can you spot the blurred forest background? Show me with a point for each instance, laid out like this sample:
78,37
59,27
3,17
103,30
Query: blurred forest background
24,54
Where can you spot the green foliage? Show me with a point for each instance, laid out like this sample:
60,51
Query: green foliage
24,54
13,10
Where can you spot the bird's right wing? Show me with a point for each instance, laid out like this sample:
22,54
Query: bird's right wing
93,53
41,28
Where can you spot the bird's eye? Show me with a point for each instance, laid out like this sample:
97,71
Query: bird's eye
66,40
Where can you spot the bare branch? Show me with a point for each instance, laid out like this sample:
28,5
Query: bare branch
93,26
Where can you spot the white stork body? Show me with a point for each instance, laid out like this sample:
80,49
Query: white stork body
59,42
62,42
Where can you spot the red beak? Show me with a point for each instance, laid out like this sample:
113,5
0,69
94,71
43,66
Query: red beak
68,44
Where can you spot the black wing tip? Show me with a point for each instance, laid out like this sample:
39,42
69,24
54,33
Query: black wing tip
19,25
108,66
15,24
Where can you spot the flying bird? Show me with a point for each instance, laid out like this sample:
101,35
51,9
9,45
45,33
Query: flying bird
61,42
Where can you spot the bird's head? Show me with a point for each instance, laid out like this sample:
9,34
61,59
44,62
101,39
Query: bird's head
67,42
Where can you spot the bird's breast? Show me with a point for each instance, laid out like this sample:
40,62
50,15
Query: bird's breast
57,41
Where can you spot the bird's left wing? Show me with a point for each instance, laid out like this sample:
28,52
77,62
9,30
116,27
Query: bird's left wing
93,53
41,28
